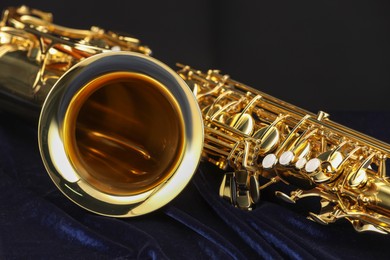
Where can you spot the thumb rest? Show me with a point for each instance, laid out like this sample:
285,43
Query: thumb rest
259,139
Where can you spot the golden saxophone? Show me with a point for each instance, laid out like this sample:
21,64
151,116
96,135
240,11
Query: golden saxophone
121,134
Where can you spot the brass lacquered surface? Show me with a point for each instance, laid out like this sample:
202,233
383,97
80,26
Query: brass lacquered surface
116,140
89,177
67,132
262,138
120,133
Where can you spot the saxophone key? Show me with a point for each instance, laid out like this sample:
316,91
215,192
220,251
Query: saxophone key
286,158
243,200
321,219
300,164
286,198
240,188
269,161
225,190
254,189
243,123
325,167
268,137
360,226
358,176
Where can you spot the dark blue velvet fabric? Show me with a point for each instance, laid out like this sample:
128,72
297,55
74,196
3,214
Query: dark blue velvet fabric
38,222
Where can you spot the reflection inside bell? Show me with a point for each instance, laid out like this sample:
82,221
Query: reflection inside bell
123,133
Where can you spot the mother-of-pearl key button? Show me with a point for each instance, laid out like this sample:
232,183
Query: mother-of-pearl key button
269,161
286,158
312,165
301,163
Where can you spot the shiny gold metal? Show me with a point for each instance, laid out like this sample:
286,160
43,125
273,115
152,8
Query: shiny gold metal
266,139
121,134
111,126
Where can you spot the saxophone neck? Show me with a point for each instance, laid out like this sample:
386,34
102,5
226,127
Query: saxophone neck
35,53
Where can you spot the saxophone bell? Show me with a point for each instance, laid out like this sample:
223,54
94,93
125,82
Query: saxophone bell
120,133
103,143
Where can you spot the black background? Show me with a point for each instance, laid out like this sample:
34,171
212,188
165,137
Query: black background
327,55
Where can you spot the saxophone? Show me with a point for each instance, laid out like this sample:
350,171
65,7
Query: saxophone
121,134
